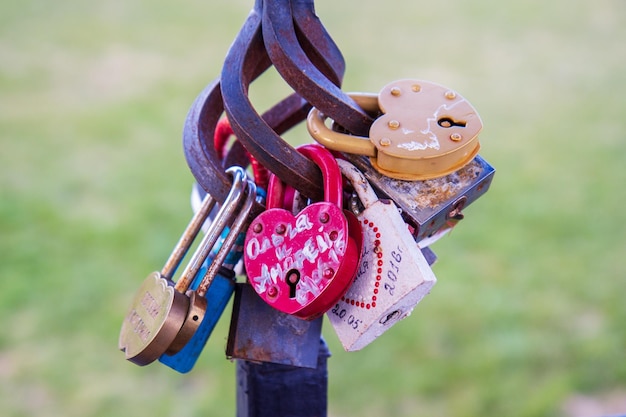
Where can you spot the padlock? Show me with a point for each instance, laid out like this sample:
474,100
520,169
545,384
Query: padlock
163,316
425,130
261,333
429,206
433,206
255,326
393,275
227,254
302,264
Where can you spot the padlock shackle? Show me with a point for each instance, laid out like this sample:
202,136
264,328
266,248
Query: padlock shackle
361,185
331,177
223,217
235,229
187,238
275,193
338,141
333,190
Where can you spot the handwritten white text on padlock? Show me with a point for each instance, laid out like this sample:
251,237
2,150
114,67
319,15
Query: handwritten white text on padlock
254,248
288,260
309,251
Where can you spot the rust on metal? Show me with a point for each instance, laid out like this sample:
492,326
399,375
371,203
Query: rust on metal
260,333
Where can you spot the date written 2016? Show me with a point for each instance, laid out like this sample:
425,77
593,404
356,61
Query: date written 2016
394,270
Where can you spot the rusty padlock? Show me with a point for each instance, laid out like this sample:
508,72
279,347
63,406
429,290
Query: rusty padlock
393,275
435,205
261,333
425,130
163,316
255,326
302,264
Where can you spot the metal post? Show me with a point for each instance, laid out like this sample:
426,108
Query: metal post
273,390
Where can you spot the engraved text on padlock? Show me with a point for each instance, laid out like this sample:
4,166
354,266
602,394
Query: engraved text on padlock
393,275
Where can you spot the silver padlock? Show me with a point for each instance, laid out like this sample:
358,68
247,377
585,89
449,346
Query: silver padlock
226,253
393,275
164,315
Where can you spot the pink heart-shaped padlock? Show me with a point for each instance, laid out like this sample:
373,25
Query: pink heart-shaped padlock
302,264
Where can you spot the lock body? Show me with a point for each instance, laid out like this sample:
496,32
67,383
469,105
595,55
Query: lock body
424,130
156,315
392,278
431,205
393,275
302,263
261,333
218,296
291,260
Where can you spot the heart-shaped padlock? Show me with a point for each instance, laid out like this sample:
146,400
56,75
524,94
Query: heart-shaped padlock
302,264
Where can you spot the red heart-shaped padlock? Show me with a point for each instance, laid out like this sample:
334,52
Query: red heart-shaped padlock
302,264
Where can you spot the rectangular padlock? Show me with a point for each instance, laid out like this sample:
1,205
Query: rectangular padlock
430,205
260,333
394,275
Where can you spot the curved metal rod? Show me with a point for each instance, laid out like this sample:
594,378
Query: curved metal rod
203,116
325,55
316,41
297,69
199,129
281,117
255,134
198,132
202,159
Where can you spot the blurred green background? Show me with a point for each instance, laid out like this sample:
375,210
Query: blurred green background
529,315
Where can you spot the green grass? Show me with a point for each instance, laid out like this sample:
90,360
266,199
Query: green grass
527,318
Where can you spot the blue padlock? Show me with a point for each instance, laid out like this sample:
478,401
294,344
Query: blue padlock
219,289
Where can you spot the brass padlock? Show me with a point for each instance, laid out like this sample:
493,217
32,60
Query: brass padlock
224,255
393,275
162,316
447,180
424,130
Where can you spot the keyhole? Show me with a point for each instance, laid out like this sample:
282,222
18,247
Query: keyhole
450,122
391,316
293,277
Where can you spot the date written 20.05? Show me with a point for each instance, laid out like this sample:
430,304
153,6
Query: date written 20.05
350,319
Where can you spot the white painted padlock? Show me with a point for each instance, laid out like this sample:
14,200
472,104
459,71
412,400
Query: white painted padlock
393,275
